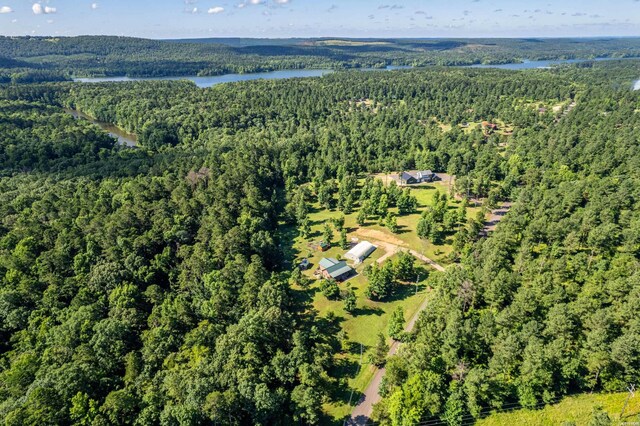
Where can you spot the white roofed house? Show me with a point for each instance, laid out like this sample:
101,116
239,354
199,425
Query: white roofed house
360,252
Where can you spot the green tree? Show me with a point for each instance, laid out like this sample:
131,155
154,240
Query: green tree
330,289
379,355
344,243
404,267
361,219
338,222
396,324
350,300
381,284
327,233
391,222
599,417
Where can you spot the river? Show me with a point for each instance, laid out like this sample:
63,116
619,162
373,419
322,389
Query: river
124,138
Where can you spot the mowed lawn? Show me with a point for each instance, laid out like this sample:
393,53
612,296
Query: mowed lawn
577,409
361,326
370,318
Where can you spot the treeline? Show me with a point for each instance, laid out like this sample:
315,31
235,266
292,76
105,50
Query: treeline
86,56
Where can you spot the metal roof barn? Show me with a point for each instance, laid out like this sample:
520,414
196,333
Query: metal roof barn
360,252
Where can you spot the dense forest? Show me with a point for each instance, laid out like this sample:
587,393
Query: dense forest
151,285
35,59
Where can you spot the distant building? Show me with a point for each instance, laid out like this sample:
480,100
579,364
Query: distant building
324,246
489,126
304,264
335,269
413,177
360,252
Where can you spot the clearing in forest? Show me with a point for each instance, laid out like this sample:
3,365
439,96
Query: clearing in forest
370,317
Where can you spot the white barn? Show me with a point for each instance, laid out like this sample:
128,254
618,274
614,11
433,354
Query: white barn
360,252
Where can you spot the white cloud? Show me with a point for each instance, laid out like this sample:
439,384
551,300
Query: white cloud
215,10
94,6
256,1
282,1
38,9
5,9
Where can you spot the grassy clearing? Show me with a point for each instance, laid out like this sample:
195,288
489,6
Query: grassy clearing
371,317
576,409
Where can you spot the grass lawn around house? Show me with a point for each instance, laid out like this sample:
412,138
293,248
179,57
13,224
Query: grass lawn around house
370,318
577,409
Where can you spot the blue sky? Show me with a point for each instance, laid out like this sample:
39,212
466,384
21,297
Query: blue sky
312,18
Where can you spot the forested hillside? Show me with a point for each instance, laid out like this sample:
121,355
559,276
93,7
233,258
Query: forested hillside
33,59
153,285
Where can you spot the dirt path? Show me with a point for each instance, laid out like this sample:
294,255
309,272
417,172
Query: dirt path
495,217
392,245
364,408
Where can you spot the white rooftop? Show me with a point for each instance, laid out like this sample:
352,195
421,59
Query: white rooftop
360,252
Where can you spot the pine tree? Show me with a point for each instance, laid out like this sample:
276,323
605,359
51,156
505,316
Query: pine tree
350,300
396,324
379,355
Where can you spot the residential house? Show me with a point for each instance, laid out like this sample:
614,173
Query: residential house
331,268
413,177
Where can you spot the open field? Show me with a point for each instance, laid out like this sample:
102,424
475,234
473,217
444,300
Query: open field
573,410
371,317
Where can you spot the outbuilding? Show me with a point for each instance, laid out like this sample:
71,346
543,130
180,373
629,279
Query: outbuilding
360,252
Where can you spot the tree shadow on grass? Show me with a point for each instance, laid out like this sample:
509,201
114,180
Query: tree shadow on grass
340,391
402,229
367,310
404,291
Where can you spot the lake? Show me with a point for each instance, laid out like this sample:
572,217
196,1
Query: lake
124,138
527,65
205,82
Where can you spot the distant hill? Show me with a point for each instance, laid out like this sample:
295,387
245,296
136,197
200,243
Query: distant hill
135,57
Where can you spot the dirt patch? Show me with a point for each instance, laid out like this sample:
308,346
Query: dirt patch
380,236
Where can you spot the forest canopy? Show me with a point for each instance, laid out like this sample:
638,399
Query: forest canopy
151,285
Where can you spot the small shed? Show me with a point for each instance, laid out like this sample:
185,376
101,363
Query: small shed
360,252
324,246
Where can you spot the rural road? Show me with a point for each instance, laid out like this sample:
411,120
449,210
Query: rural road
362,411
